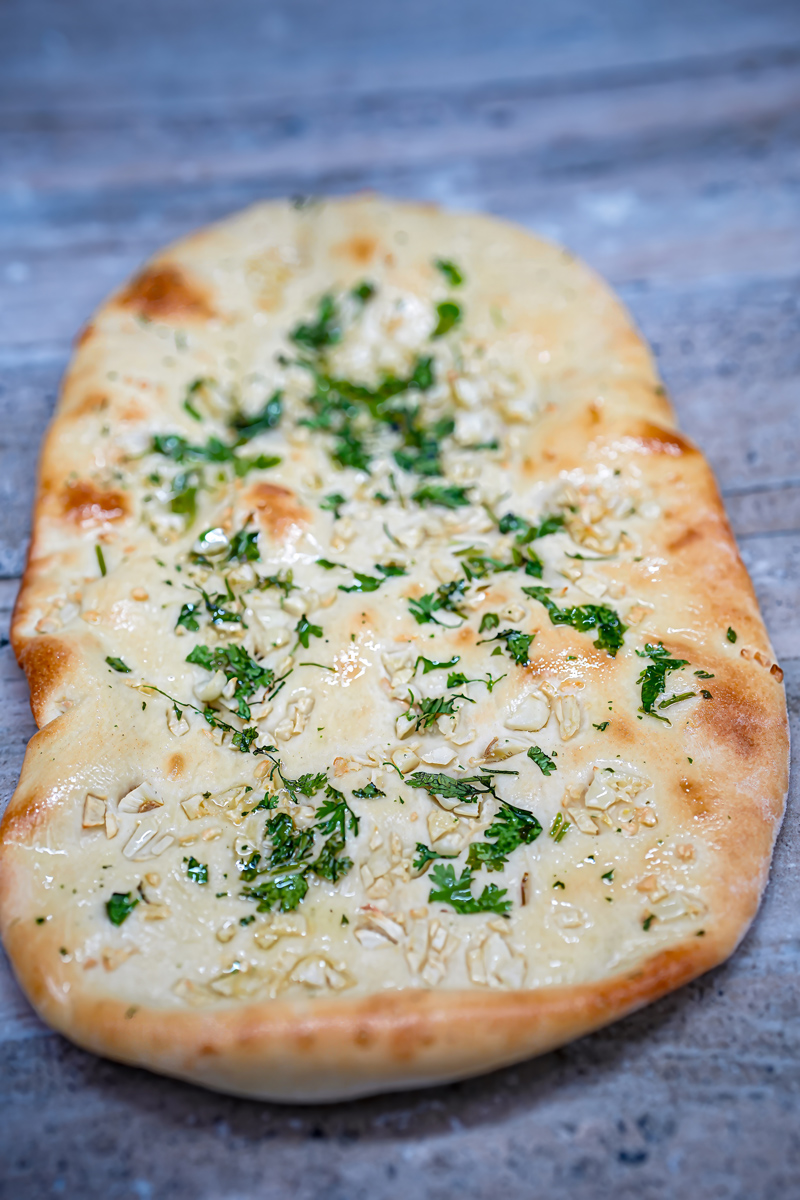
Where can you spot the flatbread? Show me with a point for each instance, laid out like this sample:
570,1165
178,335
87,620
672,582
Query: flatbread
405,708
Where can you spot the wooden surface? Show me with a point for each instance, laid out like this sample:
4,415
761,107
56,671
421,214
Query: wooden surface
662,143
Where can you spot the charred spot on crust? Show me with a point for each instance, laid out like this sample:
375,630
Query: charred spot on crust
162,292
360,248
684,539
85,335
655,439
92,402
175,765
46,661
736,719
691,793
86,504
277,509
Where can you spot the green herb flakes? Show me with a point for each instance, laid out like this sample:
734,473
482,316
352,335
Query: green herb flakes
120,906
446,888
196,871
118,665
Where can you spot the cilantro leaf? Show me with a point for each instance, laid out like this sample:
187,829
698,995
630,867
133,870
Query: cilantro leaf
363,583
526,531
449,314
324,331
268,418
305,630
518,644
446,496
545,764
653,678
196,871
187,617
466,791
237,664
368,792
333,503
488,621
432,664
601,617
425,856
306,785
457,892
244,547
450,271
428,710
286,890
118,665
512,827
120,906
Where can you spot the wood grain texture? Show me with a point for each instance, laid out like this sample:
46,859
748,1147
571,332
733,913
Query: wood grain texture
663,145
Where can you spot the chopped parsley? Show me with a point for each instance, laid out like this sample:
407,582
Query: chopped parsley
244,547
353,413
653,678
448,597
363,583
288,865
605,620
187,616
488,621
512,827
305,630
457,892
120,906
237,664
432,664
368,792
101,562
518,644
333,503
427,711
602,727
467,791
323,332
118,665
704,675
526,531
450,271
425,856
364,291
731,635
449,314
446,496
676,699
269,418
545,764
196,871
558,829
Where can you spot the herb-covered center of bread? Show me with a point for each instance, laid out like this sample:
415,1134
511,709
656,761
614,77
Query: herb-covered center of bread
407,641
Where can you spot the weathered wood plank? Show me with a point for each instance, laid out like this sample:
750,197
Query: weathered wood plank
54,50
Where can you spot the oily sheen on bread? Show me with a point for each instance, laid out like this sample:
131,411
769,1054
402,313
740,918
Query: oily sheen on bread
405,708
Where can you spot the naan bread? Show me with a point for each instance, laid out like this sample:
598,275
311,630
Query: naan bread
405,708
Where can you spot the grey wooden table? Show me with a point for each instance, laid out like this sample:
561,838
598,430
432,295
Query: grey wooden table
661,142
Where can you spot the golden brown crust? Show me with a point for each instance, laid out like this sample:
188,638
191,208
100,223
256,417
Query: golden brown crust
723,785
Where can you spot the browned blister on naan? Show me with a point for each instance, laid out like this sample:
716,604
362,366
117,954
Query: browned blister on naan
405,707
